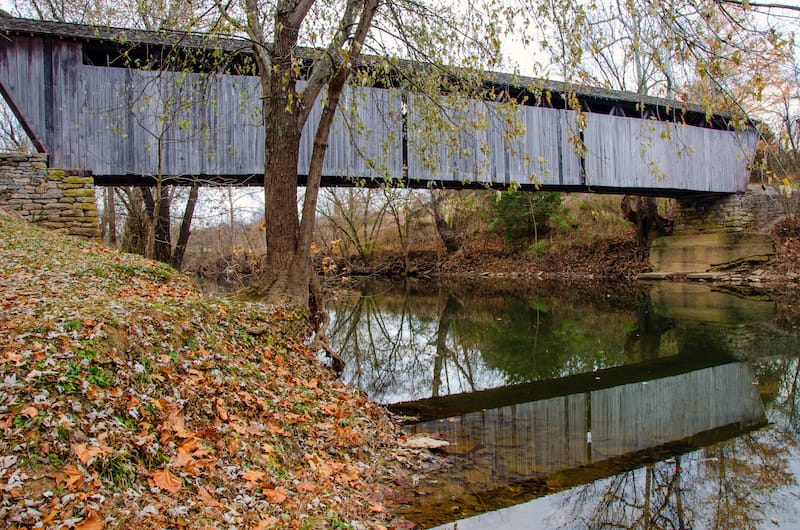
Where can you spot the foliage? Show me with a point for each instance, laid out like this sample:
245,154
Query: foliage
525,216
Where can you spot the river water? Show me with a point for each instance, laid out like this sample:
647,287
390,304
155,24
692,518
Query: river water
671,405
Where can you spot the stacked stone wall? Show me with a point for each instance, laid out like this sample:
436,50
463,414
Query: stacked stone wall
753,211
54,198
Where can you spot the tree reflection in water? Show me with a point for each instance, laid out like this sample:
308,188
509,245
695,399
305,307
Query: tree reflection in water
417,341
421,340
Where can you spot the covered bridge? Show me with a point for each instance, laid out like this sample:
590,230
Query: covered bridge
85,97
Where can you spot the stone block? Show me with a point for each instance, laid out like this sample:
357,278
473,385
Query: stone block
91,232
78,180
79,193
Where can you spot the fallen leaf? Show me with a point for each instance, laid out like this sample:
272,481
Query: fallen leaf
189,446
165,480
276,496
85,453
74,477
30,412
221,412
209,500
307,486
376,508
181,459
253,476
263,524
93,522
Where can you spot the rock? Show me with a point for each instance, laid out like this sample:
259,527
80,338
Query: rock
424,442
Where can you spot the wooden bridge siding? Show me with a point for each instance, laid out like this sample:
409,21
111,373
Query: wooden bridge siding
53,89
366,135
22,74
442,154
543,153
630,152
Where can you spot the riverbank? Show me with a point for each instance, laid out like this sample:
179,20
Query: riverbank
616,257
130,400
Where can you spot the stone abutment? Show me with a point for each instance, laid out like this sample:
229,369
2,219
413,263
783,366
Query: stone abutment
58,199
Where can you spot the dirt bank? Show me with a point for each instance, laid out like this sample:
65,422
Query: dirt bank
129,400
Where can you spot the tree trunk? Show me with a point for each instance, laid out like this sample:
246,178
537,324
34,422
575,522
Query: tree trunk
288,266
137,221
448,236
159,246
179,251
109,217
643,213
279,281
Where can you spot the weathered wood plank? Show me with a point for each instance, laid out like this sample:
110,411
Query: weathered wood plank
633,153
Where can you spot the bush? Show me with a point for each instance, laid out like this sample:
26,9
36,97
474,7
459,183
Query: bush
523,216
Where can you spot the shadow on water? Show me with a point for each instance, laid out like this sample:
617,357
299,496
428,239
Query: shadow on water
584,408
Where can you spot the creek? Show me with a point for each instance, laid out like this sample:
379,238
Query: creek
670,405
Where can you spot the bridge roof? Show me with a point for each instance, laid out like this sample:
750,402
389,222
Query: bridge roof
123,38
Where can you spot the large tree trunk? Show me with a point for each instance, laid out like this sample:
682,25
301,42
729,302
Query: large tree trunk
109,226
643,213
280,282
288,266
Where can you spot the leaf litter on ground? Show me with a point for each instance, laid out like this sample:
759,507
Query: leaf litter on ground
130,400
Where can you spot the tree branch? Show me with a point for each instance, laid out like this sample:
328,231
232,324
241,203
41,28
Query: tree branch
743,4
323,68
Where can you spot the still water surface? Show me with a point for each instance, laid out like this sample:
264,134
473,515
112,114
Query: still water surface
670,406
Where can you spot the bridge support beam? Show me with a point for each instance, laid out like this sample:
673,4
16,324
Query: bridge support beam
718,233
53,198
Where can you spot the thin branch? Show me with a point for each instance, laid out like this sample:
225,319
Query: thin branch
744,5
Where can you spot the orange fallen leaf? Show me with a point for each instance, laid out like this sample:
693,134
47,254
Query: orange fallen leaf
30,412
11,357
263,524
85,453
253,476
376,508
189,446
93,522
181,459
209,500
307,486
74,477
165,480
275,496
221,412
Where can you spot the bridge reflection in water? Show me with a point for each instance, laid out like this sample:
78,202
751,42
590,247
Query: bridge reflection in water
507,455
